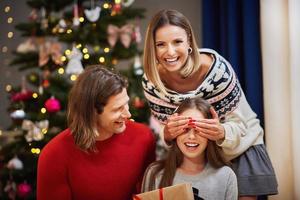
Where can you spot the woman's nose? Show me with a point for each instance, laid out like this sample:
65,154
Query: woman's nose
171,49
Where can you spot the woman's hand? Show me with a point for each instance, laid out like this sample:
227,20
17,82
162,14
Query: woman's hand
210,128
175,126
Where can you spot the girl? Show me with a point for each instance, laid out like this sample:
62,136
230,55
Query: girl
194,159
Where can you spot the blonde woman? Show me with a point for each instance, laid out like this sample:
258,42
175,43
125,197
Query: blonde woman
176,69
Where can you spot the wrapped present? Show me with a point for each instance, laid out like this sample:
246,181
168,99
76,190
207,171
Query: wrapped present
175,192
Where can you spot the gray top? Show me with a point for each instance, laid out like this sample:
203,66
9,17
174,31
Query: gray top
213,184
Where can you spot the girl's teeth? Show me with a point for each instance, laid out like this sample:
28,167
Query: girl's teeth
191,144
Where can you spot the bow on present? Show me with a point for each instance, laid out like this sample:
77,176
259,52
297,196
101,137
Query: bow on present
52,50
34,129
125,33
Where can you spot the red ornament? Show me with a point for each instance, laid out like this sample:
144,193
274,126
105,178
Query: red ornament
24,190
52,105
22,96
138,103
45,83
116,8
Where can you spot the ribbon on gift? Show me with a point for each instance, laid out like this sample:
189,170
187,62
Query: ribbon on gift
124,33
48,50
34,130
160,191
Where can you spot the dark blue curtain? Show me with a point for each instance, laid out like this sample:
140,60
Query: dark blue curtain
232,28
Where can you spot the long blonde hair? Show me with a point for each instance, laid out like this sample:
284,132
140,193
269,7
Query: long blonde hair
162,18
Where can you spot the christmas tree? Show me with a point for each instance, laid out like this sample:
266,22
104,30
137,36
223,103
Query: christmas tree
61,38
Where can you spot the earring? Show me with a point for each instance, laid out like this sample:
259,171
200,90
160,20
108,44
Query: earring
190,50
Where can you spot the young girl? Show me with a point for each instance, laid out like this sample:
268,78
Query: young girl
194,159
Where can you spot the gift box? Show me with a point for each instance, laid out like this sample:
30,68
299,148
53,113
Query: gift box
176,192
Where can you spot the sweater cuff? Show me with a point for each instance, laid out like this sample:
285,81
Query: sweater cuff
162,136
228,141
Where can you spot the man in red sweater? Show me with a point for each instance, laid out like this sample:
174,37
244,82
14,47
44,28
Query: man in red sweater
102,155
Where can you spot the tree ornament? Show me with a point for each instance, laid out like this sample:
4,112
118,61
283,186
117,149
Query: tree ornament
27,46
74,65
138,103
137,66
116,9
93,14
76,21
137,34
52,105
17,114
45,83
34,130
50,49
11,189
127,3
24,190
125,34
44,21
22,96
15,163
33,15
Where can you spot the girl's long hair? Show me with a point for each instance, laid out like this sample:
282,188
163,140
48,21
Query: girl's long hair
168,166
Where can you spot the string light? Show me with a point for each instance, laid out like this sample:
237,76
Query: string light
68,52
78,46
44,131
81,19
114,61
4,49
69,31
96,48
7,9
43,110
106,49
117,1
35,150
63,58
8,88
85,50
105,5
86,56
101,59
73,77
35,95
10,34
61,70
10,20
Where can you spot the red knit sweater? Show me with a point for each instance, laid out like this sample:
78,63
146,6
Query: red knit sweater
113,173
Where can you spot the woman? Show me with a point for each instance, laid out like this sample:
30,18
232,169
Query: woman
194,159
175,69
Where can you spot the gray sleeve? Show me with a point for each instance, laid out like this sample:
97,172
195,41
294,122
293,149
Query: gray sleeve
232,188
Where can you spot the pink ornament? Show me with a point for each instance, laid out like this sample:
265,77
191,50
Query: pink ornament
52,105
22,96
24,190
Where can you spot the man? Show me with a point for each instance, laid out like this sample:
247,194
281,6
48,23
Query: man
102,155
